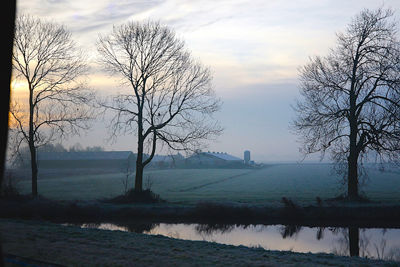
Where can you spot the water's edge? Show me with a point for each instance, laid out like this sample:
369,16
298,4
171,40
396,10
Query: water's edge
377,243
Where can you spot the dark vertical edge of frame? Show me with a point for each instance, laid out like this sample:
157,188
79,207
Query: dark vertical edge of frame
8,24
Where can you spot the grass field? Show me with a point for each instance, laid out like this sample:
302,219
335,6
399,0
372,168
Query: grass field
300,182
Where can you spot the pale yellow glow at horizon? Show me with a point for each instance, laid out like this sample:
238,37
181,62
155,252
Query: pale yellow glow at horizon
19,91
18,85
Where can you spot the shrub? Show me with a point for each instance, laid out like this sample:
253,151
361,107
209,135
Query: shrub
132,196
288,203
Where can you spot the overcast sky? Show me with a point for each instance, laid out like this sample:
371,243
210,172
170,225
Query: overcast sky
254,49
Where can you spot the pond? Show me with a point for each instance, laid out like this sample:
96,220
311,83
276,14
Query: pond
378,243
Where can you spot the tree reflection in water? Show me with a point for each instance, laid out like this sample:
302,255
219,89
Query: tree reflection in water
290,230
320,233
206,231
356,242
139,227
211,229
350,243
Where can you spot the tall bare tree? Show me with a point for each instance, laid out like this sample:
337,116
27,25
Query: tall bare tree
48,64
350,102
171,99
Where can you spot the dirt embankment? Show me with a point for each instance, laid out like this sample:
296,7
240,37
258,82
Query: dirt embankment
333,215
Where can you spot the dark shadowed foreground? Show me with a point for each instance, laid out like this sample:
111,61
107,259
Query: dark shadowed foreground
73,246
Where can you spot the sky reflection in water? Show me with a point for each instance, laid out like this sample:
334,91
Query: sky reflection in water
371,242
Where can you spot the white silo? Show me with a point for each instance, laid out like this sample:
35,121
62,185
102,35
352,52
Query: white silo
246,157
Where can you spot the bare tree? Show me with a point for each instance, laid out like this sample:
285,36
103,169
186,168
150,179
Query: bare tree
48,63
171,100
350,103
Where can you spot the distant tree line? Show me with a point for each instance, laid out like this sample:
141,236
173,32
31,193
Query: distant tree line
22,158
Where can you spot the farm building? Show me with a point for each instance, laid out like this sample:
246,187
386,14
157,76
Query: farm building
213,159
118,160
167,161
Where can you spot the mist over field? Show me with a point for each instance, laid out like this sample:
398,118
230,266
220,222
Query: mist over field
302,183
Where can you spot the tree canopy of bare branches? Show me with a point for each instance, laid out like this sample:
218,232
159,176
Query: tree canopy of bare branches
350,102
49,65
171,99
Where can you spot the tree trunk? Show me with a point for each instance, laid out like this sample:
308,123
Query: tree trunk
139,159
352,175
140,164
352,170
34,169
31,143
352,183
139,174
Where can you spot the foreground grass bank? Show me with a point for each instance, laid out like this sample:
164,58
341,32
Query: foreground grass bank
74,246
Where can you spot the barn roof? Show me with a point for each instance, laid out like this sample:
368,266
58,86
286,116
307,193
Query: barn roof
223,156
166,158
98,155
219,155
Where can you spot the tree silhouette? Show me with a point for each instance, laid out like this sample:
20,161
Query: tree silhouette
350,102
171,99
48,64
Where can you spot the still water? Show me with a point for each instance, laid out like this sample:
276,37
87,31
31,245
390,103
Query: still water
376,243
